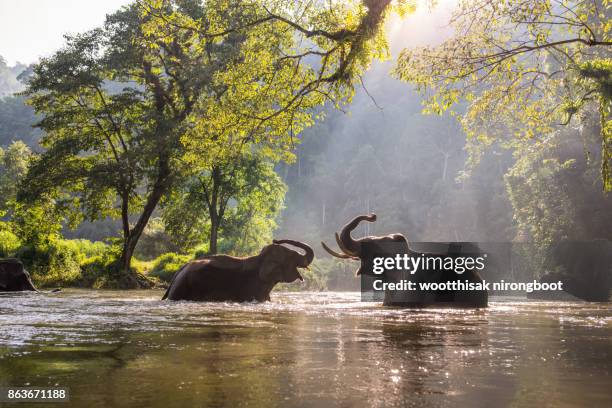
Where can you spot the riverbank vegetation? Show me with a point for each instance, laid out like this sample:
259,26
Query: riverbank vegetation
180,129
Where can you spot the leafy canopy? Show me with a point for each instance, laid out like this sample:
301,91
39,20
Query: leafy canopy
523,66
239,199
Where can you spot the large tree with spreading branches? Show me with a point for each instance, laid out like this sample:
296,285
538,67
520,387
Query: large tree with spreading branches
167,88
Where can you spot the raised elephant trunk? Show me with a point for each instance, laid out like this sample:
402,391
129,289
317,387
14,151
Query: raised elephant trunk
350,247
309,253
346,242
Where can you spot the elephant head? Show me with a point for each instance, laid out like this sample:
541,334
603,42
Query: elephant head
366,248
280,264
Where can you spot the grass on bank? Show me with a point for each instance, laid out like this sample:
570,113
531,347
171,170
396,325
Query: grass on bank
85,264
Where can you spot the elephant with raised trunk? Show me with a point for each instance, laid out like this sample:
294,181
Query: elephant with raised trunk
221,278
368,248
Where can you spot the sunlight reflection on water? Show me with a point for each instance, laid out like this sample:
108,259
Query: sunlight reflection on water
305,349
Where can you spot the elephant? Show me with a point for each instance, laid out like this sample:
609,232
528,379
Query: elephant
221,278
14,277
368,248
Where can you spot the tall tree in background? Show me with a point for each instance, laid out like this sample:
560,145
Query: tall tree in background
14,163
524,66
237,199
34,224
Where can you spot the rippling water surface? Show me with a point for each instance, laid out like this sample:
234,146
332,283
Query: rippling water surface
305,349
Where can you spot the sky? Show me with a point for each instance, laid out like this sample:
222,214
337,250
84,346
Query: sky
30,29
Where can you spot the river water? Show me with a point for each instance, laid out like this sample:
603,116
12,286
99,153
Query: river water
130,349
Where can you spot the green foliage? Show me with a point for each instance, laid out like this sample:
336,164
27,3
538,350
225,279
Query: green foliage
99,272
167,265
52,264
14,163
37,224
34,224
235,202
86,249
553,190
9,243
522,67
201,251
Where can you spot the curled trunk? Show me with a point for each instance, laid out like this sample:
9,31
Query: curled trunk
346,242
308,255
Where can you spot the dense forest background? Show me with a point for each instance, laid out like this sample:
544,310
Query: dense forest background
382,155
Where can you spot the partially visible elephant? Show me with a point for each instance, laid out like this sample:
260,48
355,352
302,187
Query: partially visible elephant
368,248
584,267
14,277
222,278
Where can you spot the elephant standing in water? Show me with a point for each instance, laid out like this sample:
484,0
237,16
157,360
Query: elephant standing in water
222,278
14,277
368,248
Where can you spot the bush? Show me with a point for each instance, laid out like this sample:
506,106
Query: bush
52,264
97,272
87,249
167,265
61,262
200,251
9,244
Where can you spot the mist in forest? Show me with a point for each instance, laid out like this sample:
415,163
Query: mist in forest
385,156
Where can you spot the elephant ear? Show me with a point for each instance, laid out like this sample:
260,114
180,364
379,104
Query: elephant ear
269,270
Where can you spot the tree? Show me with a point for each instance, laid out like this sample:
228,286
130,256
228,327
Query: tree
237,200
524,67
553,190
35,224
202,80
14,163
313,54
117,151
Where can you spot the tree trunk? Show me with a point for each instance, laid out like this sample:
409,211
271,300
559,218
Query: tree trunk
133,236
125,221
214,231
445,166
213,212
125,262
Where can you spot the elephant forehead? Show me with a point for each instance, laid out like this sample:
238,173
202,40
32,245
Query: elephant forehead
279,252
